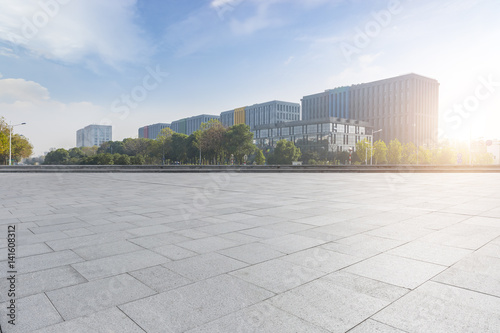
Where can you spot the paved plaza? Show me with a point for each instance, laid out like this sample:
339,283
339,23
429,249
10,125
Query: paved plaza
222,252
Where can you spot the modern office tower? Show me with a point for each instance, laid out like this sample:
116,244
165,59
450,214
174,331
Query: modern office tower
93,135
333,134
152,131
192,124
404,107
261,114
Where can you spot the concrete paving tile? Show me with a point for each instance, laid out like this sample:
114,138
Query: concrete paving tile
321,259
42,238
292,243
43,261
362,245
467,236
78,232
240,238
191,306
475,272
433,253
434,307
264,233
106,250
277,275
223,228
252,253
491,249
109,227
400,231
118,264
153,241
43,281
193,233
109,320
339,301
160,278
399,271
346,228
59,227
262,318
372,326
209,244
152,230
436,220
204,266
87,298
32,249
174,252
32,312
85,241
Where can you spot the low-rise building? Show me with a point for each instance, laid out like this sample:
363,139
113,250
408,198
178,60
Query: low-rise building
152,131
189,125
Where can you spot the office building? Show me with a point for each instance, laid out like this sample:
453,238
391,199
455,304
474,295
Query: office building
152,131
262,114
333,134
93,135
191,124
404,107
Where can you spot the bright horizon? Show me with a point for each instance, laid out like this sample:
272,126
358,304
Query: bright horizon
71,64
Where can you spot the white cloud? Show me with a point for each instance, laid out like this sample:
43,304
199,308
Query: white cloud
50,123
71,31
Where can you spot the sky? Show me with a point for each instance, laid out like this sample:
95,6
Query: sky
66,64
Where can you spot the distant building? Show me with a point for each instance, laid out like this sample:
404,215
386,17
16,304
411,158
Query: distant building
333,134
93,135
262,114
191,124
404,107
152,131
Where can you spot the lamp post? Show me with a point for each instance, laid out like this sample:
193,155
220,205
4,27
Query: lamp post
10,140
371,157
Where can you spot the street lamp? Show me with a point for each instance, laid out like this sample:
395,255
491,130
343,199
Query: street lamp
371,157
10,140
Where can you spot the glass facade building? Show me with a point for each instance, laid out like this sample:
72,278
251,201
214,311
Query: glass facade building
93,135
152,131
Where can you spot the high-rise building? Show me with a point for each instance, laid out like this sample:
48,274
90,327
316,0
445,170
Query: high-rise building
152,131
262,114
191,124
404,107
93,135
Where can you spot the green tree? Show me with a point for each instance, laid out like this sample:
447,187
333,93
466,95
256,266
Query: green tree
179,147
260,159
409,154
57,157
364,151
121,159
284,153
21,147
445,155
112,147
239,141
164,140
212,140
380,152
104,159
424,156
137,160
394,152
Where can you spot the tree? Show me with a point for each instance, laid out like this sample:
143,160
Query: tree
56,157
112,147
284,153
104,159
380,152
239,141
121,159
165,141
260,159
483,158
445,155
179,147
409,154
394,152
424,155
212,140
364,150
21,147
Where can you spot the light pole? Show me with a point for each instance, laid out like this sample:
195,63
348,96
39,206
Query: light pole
10,140
371,157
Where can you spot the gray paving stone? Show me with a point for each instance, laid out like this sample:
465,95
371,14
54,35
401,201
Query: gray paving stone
109,321
59,227
32,249
42,281
463,235
153,241
399,271
106,250
339,301
277,275
160,278
87,298
292,243
433,253
151,230
174,252
252,253
76,242
188,307
204,266
263,318
372,326
435,307
321,259
209,244
362,245
118,264
32,312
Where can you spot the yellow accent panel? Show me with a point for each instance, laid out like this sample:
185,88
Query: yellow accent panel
239,116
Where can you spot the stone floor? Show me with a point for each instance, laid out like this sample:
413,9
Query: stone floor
252,252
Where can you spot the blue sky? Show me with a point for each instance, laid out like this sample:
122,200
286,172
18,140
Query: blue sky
69,64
